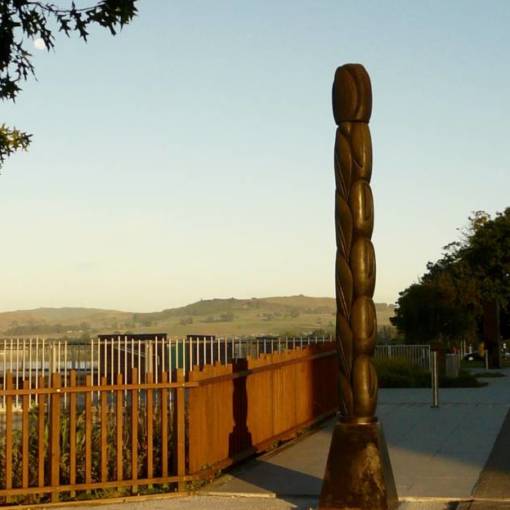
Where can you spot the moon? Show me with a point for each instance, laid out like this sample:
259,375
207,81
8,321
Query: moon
39,44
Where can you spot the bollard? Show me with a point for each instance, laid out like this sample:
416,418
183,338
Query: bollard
435,380
486,356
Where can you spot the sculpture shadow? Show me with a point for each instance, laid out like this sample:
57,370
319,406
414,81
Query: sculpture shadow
263,477
240,440
280,480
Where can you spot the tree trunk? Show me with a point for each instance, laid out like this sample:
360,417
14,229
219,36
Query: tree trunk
491,332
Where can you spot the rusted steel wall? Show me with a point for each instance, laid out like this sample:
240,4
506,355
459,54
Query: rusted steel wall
236,410
62,439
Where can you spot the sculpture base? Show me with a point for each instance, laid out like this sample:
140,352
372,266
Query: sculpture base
358,472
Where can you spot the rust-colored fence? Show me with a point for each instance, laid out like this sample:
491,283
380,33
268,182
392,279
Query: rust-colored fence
239,409
117,439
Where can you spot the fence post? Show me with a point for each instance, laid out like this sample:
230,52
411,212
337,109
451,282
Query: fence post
180,418
88,431
134,430
149,399
41,417
55,434
103,416
25,406
435,381
72,431
119,417
8,432
164,425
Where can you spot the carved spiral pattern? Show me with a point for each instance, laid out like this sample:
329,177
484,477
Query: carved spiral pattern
356,323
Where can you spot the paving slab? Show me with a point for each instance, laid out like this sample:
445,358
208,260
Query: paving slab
202,502
209,503
428,505
484,505
494,481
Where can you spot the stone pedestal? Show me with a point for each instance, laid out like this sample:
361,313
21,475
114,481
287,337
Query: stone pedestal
358,472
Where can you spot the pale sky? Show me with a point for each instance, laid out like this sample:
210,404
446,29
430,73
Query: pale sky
192,155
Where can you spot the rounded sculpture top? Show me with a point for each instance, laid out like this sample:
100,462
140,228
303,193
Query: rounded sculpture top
352,94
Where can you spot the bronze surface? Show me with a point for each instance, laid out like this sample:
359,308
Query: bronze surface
358,471
352,94
355,260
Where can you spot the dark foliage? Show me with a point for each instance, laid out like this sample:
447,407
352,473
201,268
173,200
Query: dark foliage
446,304
398,373
22,21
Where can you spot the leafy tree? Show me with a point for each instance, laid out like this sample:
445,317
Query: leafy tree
22,21
425,313
487,253
448,301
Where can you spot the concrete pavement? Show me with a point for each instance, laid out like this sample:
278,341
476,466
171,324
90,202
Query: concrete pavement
435,453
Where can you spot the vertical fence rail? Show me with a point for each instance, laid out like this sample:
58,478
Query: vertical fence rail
180,430
55,435
164,426
149,402
25,434
72,430
88,431
134,431
8,433
104,430
119,422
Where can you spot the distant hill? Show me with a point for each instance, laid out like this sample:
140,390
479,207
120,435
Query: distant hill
287,315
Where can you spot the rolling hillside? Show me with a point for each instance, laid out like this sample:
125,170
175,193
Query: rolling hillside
290,315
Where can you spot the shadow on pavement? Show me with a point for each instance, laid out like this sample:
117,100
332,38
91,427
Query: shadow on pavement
494,481
265,478
434,452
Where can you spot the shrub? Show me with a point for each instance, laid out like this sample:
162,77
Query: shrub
464,380
80,450
398,373
489,374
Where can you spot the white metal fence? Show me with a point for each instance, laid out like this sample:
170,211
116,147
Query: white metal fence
415,355
106,356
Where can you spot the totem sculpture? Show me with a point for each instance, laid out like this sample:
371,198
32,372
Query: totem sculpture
356,324
358,472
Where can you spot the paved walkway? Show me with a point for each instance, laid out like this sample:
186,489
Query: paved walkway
437,456
435,453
